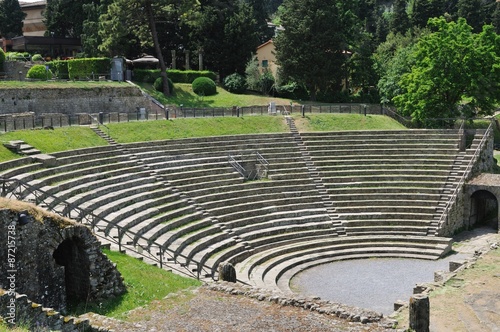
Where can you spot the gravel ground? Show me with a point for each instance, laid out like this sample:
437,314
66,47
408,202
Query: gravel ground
206,309
203,309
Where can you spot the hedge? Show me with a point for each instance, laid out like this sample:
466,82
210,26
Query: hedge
177,76
59,68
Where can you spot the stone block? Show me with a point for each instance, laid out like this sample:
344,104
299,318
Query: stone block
455,265
45,159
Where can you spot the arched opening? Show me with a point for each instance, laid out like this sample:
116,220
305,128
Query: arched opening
484,209
72,255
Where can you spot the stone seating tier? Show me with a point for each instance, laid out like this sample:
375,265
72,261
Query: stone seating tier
383,189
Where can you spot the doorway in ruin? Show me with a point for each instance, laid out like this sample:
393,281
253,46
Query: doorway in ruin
72,255
484,209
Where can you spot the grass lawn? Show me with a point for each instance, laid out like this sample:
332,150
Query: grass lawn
145,283
195,127
183,94
332,122
47,141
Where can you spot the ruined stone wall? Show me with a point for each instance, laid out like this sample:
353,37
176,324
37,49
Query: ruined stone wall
483,163
56,261
72,101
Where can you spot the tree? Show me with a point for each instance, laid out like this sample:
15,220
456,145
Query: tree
119,29
314,47
393,59
422,10
11,19
90,29
64,18
261,16
471,10
456,73
399,19
227,33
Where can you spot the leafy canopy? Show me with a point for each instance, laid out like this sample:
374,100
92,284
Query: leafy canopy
456,73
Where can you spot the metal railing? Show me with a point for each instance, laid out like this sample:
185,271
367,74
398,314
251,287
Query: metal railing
236,165
20,190
241,170
444,216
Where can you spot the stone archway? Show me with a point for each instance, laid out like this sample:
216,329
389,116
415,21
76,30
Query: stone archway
483,209
72,254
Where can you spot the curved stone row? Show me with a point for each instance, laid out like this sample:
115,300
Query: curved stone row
183,199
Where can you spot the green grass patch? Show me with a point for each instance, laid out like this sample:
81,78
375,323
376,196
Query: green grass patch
59,139
59,84
183,94
145,283
6,154
195,127
337,122
18,328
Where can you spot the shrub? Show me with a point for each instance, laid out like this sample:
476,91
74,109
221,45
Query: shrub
158,85
37,57
59,68
204,86
88,67
39,72
177,76
2,58
266,83
292,90
235,83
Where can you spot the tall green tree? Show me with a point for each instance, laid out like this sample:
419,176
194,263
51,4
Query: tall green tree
422,10
11,19
456,73
64,18
314,47
261,17
90,29
227,32
472,11
399,19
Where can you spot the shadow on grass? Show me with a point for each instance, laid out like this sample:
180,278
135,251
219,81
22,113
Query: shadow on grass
102,308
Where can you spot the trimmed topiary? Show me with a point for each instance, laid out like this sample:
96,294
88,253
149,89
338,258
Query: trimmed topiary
235,83
204,86
39,72
158,85
37,57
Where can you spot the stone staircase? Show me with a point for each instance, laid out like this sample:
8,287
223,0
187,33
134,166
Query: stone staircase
96,129
20,147
315,175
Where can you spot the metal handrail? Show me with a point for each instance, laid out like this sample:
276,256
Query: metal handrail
236,165
85,216
262,160
463,178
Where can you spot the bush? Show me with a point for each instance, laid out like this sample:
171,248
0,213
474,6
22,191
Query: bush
2,58
37,57
88,67
292,90
39,72
158,85
235,83
266,83
204,86
59,68
177,76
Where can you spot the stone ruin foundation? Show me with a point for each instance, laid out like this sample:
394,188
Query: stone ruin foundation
58,262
